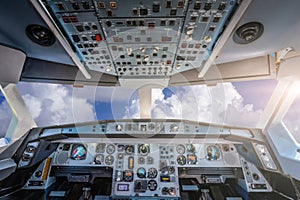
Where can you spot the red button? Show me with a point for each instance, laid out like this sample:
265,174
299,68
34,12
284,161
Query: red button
98,37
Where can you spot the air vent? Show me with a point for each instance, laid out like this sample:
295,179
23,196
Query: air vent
248,33
40,35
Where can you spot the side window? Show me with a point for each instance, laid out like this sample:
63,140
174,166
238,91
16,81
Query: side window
292,119
6,118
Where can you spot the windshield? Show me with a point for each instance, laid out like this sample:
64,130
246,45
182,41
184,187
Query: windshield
226,103
6,119
291,119
238,104
5,115
55,104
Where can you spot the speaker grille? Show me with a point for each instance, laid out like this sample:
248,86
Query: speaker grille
62,158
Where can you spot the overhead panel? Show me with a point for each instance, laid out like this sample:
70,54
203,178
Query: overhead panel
154,39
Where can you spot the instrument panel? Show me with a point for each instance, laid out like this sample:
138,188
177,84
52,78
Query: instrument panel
146,169
141,38
142,159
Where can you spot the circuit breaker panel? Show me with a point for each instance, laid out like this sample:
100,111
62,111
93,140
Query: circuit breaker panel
141,38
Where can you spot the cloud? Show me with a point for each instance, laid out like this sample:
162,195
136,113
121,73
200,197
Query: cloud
58,104
132,111
52,104
221,104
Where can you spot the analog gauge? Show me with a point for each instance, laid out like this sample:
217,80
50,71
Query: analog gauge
110,149
151,126
144,149
129,149
190,148
99,159
181,160
100,148
109,160
180,149
152,173
191,159
213,152
152,185
141,172
78,152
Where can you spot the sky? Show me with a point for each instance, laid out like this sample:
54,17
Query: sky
292,119
226,103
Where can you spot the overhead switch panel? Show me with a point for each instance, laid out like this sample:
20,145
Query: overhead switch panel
141,38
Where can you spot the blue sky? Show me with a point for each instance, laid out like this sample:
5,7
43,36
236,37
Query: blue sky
2,98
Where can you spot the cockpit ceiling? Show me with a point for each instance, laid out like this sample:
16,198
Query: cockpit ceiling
169,40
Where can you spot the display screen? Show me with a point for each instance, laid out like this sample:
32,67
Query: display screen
213,152
78,152
123,187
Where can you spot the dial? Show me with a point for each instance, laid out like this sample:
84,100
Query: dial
151,126
99,159
129,149
180,149
152,185
181,160
191,159
109,160
144,149
141,172
190,148
100,148
152,173
213,152
110,149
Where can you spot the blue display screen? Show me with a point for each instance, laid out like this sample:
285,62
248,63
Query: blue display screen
78,152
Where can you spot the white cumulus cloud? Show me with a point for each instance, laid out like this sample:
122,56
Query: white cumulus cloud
221,104
59,104
52,104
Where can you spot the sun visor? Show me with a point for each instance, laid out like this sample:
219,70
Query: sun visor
290,68
11,64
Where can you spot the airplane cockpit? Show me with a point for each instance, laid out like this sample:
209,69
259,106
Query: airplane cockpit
142,100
